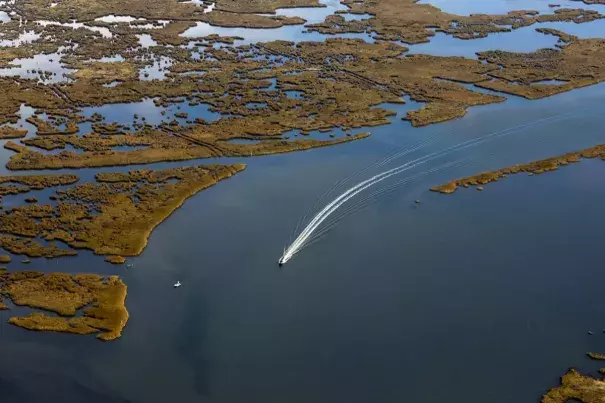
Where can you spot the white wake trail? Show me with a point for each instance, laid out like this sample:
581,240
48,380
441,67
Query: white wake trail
339,201
335,204
384,161
367,200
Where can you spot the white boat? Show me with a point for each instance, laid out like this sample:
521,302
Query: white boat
177,285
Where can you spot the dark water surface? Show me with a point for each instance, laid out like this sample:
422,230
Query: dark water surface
471,297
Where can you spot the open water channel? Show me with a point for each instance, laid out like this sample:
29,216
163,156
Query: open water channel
471,297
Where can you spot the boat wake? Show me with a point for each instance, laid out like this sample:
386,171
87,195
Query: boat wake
312,231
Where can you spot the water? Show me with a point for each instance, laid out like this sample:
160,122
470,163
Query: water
146,41
112,84
356,17
522,40
491,293
200,3
45,68
157,70
467,7
114,19
353,304
111,59
287,33
111,18
23,38
4,17
293,33
147,112
105,32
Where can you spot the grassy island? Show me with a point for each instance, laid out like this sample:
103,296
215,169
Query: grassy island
534,167
103,300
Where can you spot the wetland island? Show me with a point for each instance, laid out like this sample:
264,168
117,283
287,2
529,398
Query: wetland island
115,113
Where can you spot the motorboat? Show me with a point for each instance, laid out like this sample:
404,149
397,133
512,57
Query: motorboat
177,285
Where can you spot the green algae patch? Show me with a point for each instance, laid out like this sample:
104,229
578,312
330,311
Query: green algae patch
535,167
102,301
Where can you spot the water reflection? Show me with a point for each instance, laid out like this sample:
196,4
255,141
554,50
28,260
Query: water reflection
157,70
147,112
112,84
467,7
522,40
111,18
146,41
294,33
313,14
23,38
199,3
115,19
24,113
75,25
45,68
356,17
4,17
110,59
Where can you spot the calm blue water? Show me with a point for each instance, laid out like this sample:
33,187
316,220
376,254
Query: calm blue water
467,7
519,40
287,33
491,294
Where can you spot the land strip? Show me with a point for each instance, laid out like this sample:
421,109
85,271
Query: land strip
534,167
